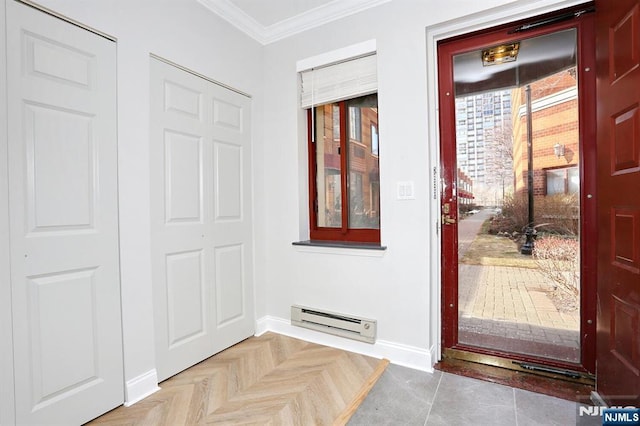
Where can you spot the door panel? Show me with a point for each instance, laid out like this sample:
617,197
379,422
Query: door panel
229,277
200,227
618,55
228,170
60,169
185,296
63,216
183,178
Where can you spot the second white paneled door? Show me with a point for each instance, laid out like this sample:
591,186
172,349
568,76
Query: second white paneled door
200,217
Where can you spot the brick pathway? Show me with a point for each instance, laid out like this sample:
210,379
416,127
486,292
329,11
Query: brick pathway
511,302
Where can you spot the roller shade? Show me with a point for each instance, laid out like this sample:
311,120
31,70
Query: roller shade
340,81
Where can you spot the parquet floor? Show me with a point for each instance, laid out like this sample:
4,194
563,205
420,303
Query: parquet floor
266,380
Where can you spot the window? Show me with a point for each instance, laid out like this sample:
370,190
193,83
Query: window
344,146
355,128
563,181
345,185
336,121
374,139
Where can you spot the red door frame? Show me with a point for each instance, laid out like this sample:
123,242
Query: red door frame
447,49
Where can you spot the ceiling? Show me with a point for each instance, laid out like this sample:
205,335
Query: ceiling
268,21
267,13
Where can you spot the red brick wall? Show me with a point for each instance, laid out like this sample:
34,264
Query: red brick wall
554,124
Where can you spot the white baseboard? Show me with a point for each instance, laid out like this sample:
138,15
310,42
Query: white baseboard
396,353
141,387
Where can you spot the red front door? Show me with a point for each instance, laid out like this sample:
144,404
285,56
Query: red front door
618,201
480,312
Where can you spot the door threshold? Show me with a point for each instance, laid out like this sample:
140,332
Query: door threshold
503,371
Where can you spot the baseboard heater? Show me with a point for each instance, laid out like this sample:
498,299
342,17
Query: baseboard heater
330,322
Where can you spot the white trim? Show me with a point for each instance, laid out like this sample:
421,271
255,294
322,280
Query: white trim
236,17
334,56
141,387
435,33
197,74
313,18
397,353
55,14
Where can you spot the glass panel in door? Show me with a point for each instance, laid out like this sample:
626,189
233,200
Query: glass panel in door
518,187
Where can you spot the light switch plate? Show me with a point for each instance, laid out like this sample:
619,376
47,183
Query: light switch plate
405,191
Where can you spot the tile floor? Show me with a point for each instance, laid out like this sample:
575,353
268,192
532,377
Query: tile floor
403,396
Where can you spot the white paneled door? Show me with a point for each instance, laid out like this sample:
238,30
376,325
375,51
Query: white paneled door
63,214
200,217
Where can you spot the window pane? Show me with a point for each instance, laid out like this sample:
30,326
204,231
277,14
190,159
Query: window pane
336,120
374,139
355,123
555,181
327,141
574,180
362,160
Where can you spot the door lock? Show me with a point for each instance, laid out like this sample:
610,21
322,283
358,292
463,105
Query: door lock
446,216
448,220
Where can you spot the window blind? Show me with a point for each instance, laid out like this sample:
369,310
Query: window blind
340,81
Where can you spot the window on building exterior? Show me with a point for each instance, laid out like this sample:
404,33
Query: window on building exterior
346,187
374,139
355,128
563,181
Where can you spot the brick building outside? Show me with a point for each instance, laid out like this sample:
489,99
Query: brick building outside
555,146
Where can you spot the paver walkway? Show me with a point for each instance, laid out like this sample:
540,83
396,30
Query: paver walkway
512,303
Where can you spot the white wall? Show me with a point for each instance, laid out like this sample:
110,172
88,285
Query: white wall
400,288
392,288
185,33
397,287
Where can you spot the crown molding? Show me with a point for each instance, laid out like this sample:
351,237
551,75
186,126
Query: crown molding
286,28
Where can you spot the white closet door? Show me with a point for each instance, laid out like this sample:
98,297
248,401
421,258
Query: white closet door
200,215
231,223
63,219
7,406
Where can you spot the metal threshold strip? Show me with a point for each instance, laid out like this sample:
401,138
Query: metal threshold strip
526,367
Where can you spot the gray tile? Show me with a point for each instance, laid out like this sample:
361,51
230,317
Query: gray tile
533,409
465,401
401,396
586,419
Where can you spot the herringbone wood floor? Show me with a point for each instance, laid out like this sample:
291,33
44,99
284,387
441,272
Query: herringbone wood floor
271,379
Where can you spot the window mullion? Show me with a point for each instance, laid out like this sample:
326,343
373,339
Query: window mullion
313,167
344,175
